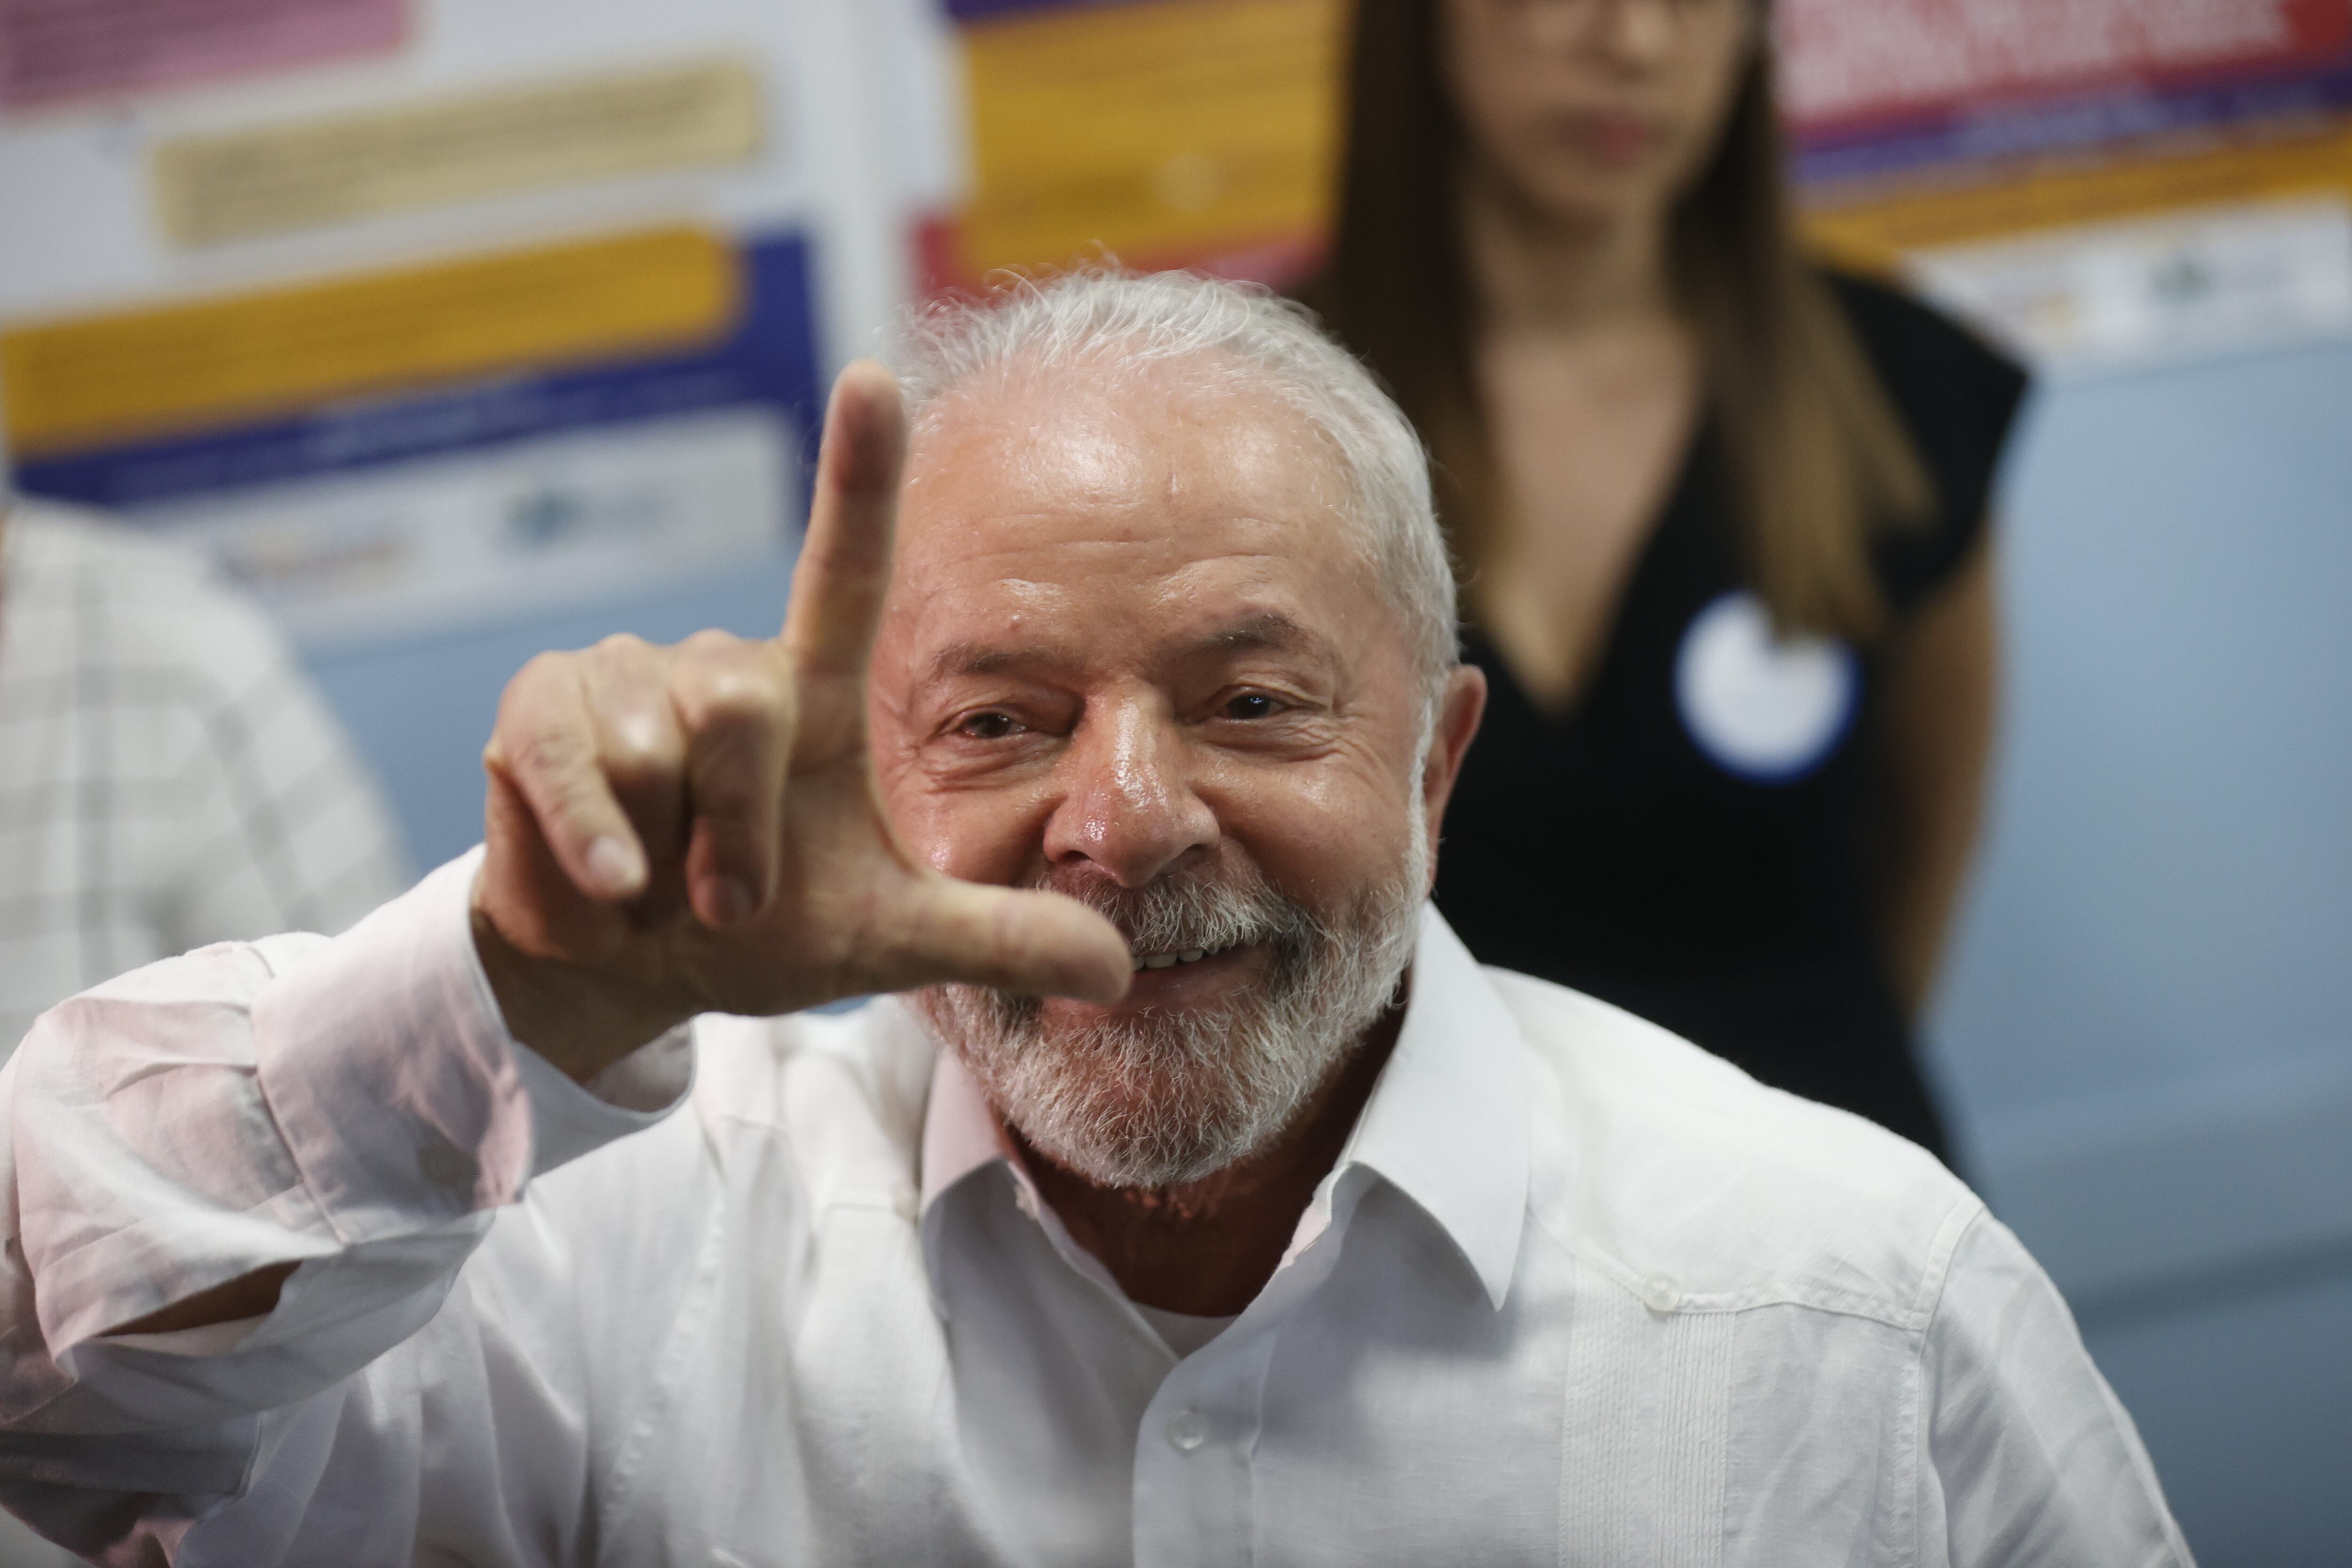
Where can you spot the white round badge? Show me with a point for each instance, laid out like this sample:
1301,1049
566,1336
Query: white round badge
1765,708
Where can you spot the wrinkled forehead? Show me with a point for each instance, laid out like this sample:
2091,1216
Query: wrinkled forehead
1161,452
1107,494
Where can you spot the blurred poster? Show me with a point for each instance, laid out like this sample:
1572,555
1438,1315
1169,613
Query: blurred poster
1158,132
57,50
2194,280
1872,85
2098,183
534,307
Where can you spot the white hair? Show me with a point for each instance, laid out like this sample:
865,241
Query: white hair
1162,1098
1103,321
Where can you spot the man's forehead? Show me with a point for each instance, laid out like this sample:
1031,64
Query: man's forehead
1098,430
1130,518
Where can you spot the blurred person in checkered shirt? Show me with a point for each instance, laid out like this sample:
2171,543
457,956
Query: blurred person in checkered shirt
169,778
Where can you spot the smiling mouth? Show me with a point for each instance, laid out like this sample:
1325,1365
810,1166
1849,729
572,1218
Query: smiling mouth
1144,961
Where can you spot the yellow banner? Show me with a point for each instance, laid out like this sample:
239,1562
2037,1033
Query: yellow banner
1160,129
1862,229
301,174
83,382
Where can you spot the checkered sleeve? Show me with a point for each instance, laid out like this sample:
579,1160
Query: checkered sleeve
280,828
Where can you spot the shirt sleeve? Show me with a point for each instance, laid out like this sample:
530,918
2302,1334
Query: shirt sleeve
2032,1459
353,1106
279,826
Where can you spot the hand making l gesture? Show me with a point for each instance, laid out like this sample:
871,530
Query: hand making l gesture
696,828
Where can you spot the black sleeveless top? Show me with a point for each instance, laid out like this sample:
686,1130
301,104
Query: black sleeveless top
1688,842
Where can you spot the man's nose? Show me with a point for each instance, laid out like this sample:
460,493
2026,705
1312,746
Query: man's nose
1128,806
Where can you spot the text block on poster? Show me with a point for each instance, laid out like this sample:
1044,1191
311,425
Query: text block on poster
1849,62
54,51
307,174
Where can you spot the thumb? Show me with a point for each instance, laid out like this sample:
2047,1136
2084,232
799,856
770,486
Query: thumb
1040,944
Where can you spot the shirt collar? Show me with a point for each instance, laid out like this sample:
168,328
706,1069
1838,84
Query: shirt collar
1446,1125
961,1132
962,1137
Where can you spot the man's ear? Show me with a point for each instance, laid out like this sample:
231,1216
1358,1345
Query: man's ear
1458,712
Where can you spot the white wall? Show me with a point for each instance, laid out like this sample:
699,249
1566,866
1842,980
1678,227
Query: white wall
2147,1026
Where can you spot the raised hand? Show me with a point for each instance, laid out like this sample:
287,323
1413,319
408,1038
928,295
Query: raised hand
696,828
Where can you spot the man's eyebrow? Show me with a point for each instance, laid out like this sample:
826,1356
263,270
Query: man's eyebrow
984,658
1269,630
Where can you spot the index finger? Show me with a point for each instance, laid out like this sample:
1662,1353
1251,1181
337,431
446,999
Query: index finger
546,746
845,561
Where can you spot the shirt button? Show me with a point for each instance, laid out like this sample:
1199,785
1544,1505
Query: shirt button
1660,1294
1187,1430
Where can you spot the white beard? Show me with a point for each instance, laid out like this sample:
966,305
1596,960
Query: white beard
1160,1100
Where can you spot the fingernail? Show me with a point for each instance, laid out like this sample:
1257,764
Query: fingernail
725,900
615,864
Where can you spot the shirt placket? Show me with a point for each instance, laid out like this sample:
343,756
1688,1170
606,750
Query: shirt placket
1196,1475
1194,1495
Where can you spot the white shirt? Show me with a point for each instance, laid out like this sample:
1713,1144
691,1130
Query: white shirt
168,777
1574,1292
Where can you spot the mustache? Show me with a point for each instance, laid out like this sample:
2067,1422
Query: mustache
1205,909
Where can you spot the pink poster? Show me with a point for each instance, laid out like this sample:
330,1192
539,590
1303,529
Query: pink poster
1859,59
56,50
1875,85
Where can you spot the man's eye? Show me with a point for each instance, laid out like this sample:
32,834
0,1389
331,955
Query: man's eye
988,727
1251,705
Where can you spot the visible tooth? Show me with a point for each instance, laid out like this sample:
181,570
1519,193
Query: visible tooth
1139,966
1192,957
1159,961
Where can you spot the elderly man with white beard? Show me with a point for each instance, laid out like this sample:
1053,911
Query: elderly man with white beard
1200,1200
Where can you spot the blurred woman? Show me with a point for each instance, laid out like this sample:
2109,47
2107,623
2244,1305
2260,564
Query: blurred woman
1721,521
